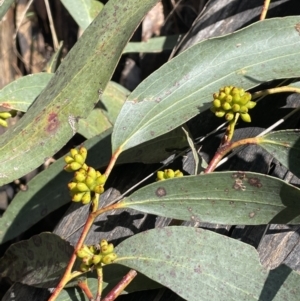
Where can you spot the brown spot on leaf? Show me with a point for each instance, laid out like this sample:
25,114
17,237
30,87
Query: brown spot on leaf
37,240
6,105
160,192
152,133
255,182
297,27
197,269
251,214
53,122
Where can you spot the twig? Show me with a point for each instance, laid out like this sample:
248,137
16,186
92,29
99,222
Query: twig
51,23
265,9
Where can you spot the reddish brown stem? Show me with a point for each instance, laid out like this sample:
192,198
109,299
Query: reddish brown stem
85,288
100,284
225,149
119,288
112,161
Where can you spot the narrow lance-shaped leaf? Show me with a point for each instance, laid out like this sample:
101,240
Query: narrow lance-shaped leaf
220,197
20,94
83,11
184,86
200,265
73,91
285,147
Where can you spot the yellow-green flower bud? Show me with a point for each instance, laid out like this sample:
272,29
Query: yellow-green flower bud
103,243
226,106
243,109
79,159
74,166
220,113
82,187
229,116
86,198
228,98
96,259
87,260
92,172
99,189
3,123
93,249
169,173
101,180
84,268
90,182
73,152
5,115
72,186
69,159
227,89
109,258
77,196
107,249
84,251
236,108
245,98
160,175
178,174
222,96
251,104
83,152
217,103
79,177
246,117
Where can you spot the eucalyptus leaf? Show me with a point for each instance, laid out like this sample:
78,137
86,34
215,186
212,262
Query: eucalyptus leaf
72,92
4,6
39,261
221,197
285,147
184,86
83,11
153,45
20,94
201,265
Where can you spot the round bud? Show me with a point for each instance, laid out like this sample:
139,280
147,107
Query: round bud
220,113
74,165
83,152
72,186
69,159
228,98
217,103
87,260
5,115
109,258
103,243
229,116
243,109
86,199
222,96
3,123
99,189
107,249
160,175
91,172
79,159
84,268
82,187
77,196
178,174
251,104
236,108
73,152
226,106
96,259
101,180
245,98
169,173
246,117
90,182
227,89
79,176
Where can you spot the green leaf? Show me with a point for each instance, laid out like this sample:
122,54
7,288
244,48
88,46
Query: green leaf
285,147
201,265
184,86
73,91
157,44
21,93
104,115
83,11
220,197
112,274
55,59
39,261
5,5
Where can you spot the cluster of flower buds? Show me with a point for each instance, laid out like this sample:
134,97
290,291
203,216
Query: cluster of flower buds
231,100
87,181
5,115
168,174
96,256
